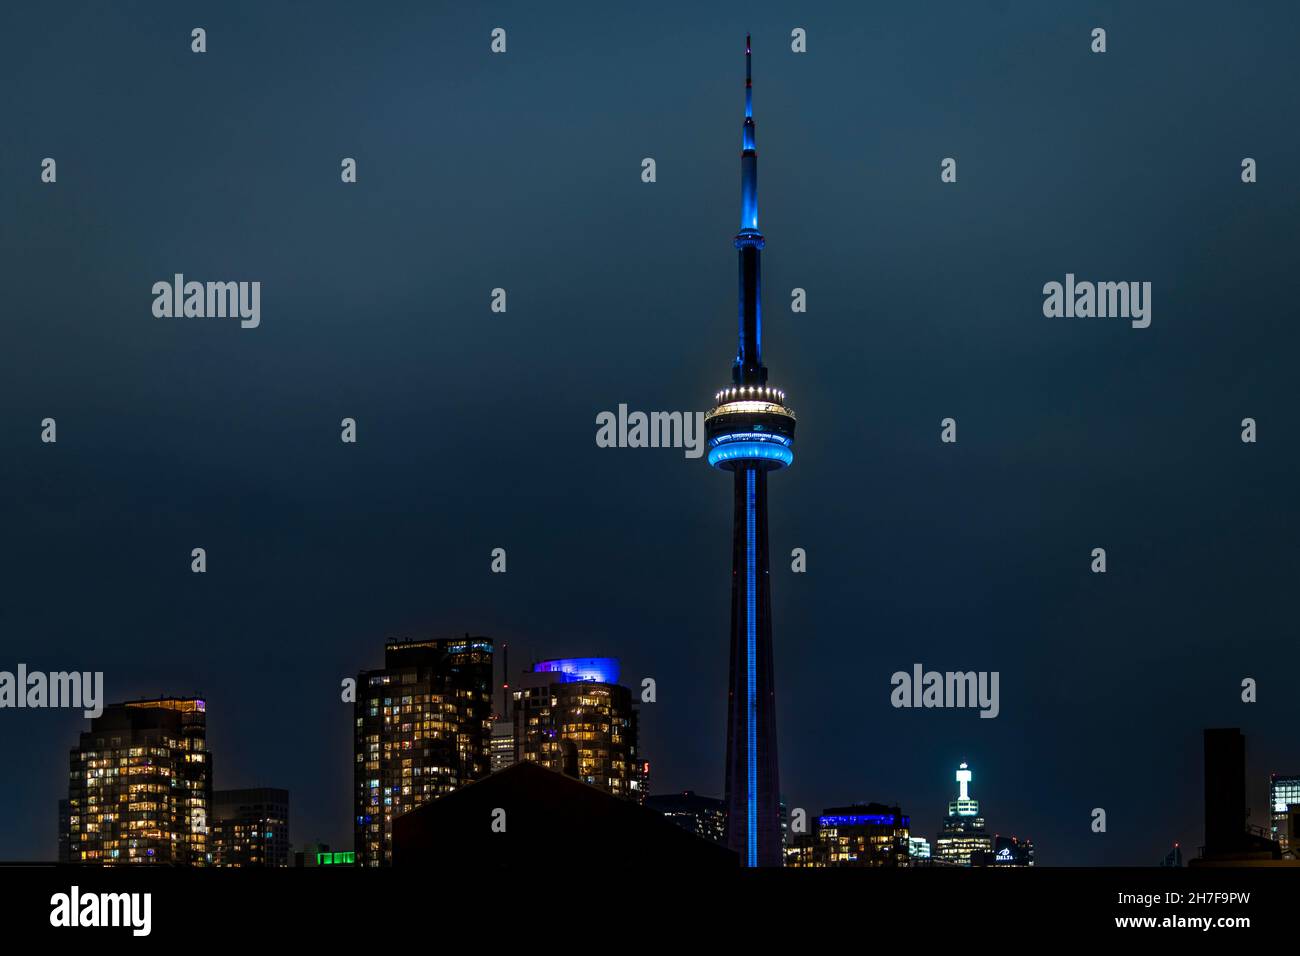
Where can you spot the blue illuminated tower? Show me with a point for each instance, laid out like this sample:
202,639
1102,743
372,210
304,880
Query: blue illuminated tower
751,432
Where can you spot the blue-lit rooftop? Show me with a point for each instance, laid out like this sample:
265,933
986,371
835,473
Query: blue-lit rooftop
863,819
600,670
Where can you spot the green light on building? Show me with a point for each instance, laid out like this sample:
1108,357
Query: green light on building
342,858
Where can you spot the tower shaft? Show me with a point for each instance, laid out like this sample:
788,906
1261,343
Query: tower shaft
750,433
752,784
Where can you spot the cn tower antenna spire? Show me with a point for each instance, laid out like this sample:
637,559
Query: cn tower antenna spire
749,83
748,154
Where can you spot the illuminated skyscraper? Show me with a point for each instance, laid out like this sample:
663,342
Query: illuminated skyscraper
573,716
421,731
140,785
751,432
963,834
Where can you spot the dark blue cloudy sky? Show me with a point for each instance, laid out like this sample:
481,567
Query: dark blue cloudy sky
476,430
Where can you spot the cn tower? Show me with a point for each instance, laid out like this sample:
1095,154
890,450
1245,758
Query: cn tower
750,433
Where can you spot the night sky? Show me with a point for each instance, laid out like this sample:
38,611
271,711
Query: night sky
476,429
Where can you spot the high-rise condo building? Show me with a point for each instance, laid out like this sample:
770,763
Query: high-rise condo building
870,834
140,786
421,731
572,715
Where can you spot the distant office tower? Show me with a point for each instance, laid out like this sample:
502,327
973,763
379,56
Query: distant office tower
1007,851
1283,792
704,816
783,815
918,848
864,834
963,832
503,744
421,732
1174,858
1229,838
573,716
65,851
803,851
140,786
250,827
1225,790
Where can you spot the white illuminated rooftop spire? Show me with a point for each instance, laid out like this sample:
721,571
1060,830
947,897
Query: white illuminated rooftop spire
963,781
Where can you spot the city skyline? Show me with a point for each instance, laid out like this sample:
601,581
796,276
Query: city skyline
227,825
523,172
575,684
